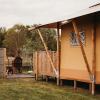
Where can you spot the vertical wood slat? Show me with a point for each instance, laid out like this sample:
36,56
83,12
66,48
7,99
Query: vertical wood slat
50,66
53,58
46,64
36,63
40,64
33,62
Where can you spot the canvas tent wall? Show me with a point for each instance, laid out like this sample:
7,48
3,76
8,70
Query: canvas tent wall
72,61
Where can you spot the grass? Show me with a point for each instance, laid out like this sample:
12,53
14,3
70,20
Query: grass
29,89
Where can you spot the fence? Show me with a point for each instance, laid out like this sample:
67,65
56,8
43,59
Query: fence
2,62
41,64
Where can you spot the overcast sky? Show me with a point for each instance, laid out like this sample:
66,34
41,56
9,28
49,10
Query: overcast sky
38,11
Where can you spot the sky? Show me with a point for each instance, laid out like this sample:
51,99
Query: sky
29,12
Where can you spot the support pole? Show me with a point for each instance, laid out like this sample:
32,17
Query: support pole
93,54
82,49
47,53
58,54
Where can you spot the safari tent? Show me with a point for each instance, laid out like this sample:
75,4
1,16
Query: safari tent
78,46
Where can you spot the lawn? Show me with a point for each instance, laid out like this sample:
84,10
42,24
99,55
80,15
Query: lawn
29,89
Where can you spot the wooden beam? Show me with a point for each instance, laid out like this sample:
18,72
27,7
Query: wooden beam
82,49
93,54
47,53
58,53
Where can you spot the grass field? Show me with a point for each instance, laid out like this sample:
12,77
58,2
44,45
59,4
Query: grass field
29,89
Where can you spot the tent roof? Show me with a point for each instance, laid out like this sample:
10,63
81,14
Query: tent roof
89,10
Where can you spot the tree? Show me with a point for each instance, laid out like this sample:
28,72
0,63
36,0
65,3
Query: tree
19,38
49,36
2,35
34,41
15,39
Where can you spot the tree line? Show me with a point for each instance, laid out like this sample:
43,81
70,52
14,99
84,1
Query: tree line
19,39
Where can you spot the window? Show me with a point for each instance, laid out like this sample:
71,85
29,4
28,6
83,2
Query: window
74,40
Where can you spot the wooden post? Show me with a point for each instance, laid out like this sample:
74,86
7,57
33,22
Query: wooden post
46,78
34,65
35,76
82,49
58,54
61,82
93,54
36,54
47,53
90,86
42,77
75,85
